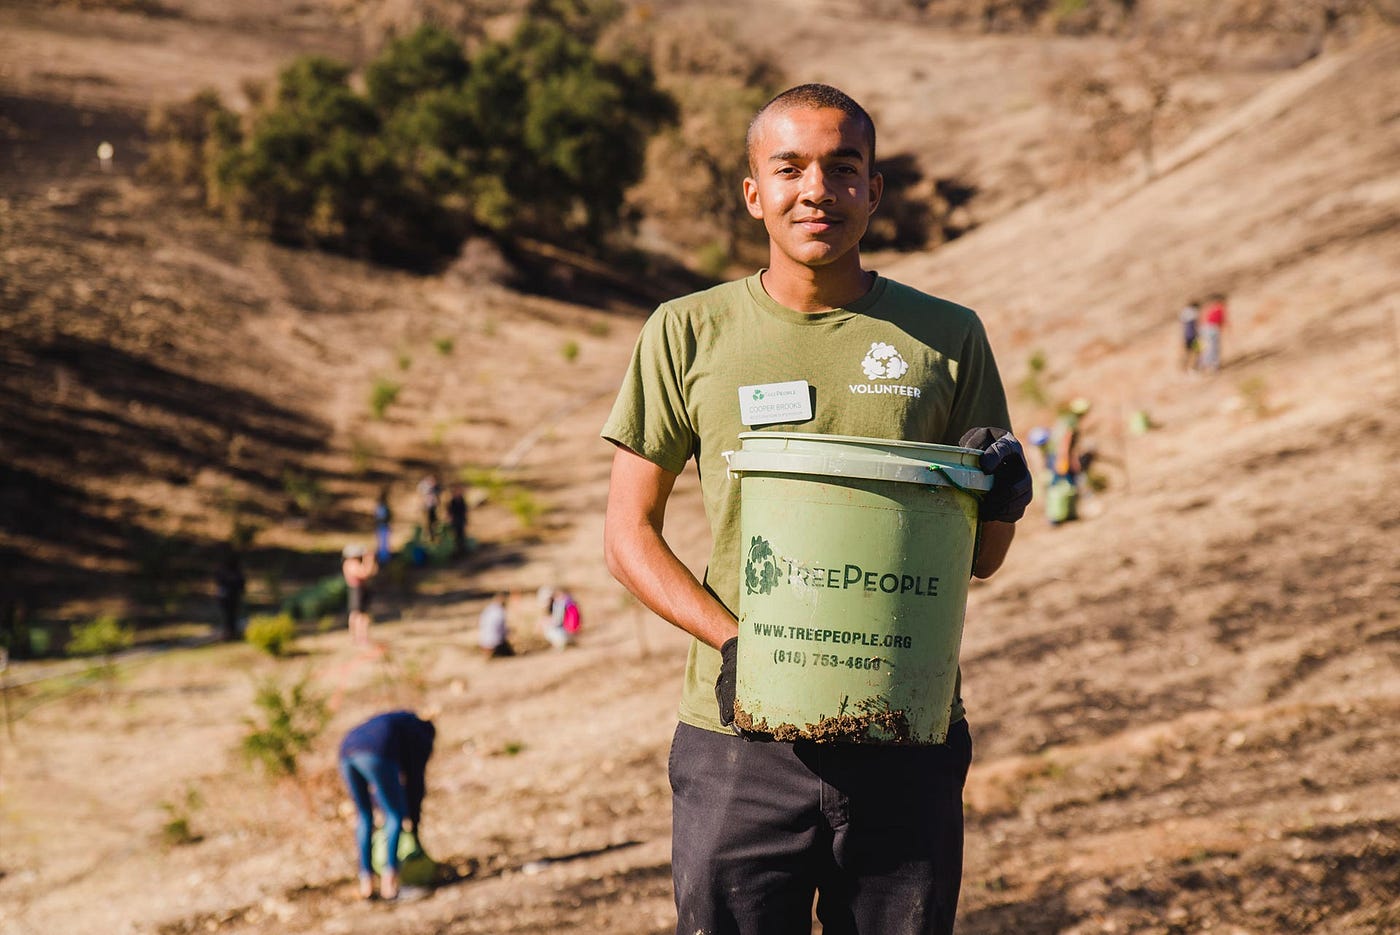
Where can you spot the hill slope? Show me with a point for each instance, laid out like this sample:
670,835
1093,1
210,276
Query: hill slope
1185,706
1203,671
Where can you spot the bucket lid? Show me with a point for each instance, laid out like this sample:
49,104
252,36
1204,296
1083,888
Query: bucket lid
856,457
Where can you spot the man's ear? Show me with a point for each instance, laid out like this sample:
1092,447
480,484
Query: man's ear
877,189
751,200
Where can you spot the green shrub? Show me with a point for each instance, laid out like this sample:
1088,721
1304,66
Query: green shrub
570,351
488,481
1031,385
525,507
102,636
273,634
539,133
306,492
362,455
712,259
317,600
285,726
182,137
497,489
443,346
382,395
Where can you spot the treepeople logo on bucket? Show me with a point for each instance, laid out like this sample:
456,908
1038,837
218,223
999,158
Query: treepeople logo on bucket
761,570
884,362
764,570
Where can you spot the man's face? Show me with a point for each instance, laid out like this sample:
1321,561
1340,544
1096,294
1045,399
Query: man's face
812,184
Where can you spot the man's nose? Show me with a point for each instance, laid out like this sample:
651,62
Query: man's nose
816,186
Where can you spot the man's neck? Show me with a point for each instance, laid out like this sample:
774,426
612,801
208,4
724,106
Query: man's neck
817,289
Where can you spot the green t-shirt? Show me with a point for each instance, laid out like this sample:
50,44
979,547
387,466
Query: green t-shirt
896,363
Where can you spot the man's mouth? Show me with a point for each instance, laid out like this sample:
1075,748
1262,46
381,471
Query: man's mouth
816,224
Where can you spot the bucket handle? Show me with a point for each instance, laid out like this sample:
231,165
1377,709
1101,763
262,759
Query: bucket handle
948,476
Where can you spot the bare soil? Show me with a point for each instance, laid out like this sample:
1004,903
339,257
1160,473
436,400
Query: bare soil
1186,706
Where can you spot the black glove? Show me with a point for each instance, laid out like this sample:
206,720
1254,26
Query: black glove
724,685
1003,458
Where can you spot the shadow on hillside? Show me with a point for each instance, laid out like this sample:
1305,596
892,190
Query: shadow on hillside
73,408
633,283
214,413
1044,914
45,140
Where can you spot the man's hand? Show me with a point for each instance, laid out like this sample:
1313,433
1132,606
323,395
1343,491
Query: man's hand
724,685
1003,458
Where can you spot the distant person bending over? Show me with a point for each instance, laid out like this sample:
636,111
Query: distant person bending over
388,756
1066,463
359,569
492,629
875,833
561,621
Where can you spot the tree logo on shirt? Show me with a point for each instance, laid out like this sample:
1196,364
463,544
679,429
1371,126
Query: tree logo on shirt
761,573
883,362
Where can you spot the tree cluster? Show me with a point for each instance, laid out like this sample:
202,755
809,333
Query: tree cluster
535,135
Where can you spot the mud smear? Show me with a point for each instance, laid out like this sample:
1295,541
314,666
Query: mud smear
875,724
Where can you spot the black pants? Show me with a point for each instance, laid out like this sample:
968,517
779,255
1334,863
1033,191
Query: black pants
875,833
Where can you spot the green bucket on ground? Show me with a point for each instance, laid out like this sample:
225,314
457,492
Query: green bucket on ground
416,868
857,554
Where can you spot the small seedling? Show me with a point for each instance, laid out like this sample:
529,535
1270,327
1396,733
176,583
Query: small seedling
105,636
287,726
176,831
383,395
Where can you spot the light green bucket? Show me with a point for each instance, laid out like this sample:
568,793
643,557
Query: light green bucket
857,554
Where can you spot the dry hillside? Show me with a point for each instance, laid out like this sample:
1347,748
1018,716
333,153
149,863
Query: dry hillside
1185,705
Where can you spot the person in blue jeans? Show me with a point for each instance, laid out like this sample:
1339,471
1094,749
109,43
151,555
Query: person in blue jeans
388,756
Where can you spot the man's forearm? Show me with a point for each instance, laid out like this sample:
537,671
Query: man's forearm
992,546
640,559
638,555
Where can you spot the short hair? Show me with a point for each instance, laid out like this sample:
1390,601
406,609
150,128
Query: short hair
812,97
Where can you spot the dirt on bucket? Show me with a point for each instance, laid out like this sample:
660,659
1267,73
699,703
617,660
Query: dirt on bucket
888,727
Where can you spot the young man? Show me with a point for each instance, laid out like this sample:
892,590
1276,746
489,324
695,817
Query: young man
759,827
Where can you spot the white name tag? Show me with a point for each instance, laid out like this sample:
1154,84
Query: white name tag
768,403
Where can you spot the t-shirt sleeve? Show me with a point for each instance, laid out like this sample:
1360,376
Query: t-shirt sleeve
649,416
980,398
